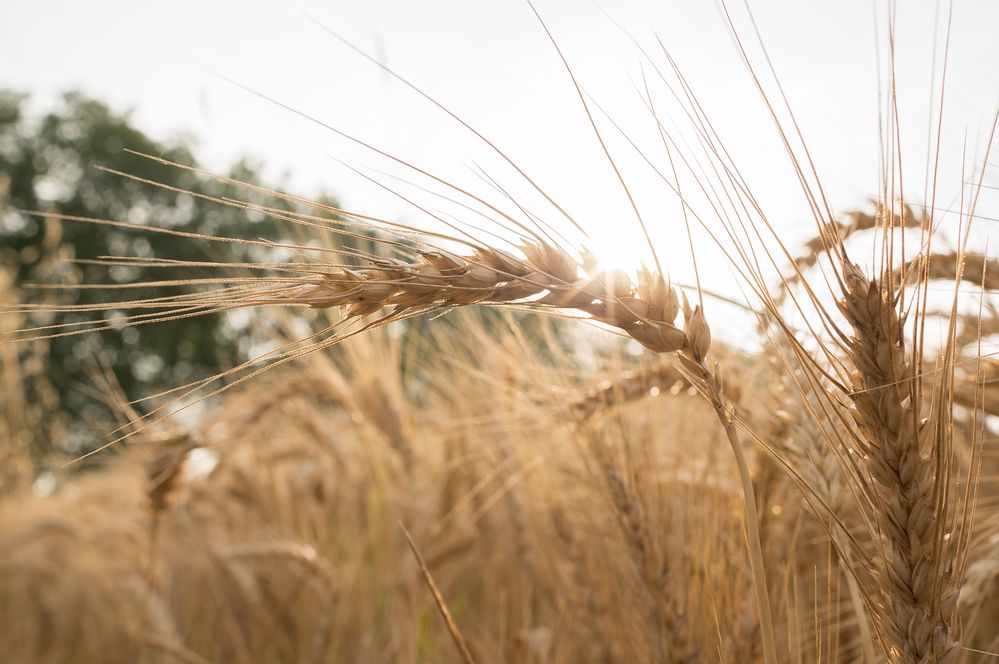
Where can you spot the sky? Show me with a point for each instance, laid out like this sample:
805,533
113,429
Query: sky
278,80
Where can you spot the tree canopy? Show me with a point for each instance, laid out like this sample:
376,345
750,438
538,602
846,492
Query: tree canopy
70,162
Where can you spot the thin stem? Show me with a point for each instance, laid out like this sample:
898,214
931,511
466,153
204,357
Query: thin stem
455,634
752,520
755,548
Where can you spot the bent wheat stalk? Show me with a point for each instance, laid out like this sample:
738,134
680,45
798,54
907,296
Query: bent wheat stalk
645,312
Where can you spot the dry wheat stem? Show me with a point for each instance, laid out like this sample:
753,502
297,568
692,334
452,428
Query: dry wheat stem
713,387
455,634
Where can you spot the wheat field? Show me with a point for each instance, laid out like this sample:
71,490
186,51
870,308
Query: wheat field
585,474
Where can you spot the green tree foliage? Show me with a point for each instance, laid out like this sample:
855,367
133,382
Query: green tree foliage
56,164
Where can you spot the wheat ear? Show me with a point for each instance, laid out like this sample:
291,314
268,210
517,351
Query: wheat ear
905,458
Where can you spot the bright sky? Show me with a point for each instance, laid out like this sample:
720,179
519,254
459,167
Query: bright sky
492,65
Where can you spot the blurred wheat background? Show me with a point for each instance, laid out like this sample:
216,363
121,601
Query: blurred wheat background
558,444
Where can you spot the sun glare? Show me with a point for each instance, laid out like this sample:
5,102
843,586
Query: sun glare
617,248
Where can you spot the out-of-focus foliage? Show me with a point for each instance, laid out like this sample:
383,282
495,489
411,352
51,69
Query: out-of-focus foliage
54,164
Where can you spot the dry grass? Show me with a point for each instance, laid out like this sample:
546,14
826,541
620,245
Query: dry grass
564,543
570,505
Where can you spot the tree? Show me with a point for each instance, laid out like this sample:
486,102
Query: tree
63,163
